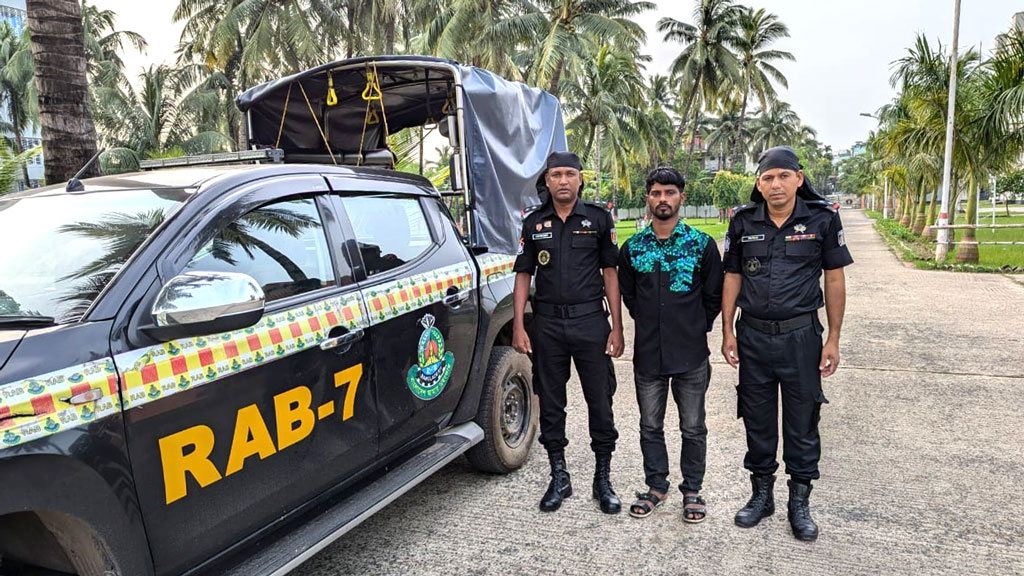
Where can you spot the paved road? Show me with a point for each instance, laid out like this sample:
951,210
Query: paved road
922,472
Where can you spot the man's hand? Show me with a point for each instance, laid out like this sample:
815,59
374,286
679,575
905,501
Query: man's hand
829,358
729,350
521,341
616,343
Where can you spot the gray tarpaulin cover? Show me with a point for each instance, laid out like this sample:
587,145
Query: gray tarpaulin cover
510,128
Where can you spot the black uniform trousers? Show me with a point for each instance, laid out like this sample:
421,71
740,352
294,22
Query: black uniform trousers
768,363
582,340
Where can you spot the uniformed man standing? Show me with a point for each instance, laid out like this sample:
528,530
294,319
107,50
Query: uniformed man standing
775,251
571,247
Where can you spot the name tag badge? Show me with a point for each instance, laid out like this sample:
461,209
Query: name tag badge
542,236
800,237
753,238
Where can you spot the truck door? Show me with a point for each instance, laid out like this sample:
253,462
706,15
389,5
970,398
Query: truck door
229,432
419,290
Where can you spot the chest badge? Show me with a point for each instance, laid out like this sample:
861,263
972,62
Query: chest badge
434,364
539,226
544,257
753,266
586,223
547,223
800,228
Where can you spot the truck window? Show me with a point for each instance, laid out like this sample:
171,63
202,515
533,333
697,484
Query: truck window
61,250
282,246
390,230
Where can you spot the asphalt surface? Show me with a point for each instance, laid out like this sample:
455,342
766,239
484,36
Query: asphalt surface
923,457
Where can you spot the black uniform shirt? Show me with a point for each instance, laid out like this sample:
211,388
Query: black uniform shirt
781,267
567,257
673,290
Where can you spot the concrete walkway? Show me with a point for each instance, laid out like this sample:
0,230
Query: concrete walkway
922,467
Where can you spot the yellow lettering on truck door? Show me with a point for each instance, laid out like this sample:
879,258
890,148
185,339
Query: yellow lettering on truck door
251,438
176,463
294,418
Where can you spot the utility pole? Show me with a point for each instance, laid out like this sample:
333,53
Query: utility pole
942,247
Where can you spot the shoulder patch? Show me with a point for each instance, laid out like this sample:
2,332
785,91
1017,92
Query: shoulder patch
603,207
530,209
743,207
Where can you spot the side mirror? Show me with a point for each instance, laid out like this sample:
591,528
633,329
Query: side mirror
202,303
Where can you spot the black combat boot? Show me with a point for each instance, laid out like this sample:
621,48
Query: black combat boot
603,485
761,504
560,487
800,520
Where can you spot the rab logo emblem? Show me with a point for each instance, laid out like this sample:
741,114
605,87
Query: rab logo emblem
10,438
35,387
429,378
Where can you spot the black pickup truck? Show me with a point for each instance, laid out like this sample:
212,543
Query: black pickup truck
222,369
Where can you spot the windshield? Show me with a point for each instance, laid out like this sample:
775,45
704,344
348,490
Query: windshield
57,253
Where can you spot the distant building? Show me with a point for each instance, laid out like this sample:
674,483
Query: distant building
13,12
1016,23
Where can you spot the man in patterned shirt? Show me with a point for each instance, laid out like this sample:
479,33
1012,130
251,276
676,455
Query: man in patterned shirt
670,276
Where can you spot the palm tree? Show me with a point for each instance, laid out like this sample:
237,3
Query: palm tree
605,102
483,34
168,115
774,126
17,90
706,61
65,113
758,31
104,45
11,163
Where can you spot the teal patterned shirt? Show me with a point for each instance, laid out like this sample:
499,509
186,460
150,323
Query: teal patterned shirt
679,255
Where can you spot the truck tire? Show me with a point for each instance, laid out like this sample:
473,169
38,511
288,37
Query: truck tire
508,413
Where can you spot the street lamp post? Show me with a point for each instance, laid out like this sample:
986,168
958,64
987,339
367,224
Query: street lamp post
942,247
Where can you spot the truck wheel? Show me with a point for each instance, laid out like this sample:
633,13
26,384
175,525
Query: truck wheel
508,413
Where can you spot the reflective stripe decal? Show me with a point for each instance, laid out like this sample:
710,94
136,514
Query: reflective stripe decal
496,266
405,295
149,374
155,372
41,401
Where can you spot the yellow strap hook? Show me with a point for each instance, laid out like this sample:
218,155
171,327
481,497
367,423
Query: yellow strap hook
332,96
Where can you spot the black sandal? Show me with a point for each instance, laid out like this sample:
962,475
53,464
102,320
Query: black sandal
696,514
645,504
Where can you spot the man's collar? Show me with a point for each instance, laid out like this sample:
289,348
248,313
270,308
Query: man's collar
678,230
549,208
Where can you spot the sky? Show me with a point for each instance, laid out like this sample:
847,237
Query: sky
843,49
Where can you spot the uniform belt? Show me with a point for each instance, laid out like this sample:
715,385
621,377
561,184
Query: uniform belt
778,326
568,310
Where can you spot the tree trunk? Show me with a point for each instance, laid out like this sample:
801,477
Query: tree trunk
556,77
967,250
389,35
907,209
69,136
919,218
598,142
929,232
686,116
350,40
693,142
738,153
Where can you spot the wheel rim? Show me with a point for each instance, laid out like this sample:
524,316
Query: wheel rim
515,410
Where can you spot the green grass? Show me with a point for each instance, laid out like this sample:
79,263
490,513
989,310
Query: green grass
990,258
626,228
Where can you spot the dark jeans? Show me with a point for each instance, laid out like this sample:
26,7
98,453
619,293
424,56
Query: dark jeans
787,362
556,342
688,390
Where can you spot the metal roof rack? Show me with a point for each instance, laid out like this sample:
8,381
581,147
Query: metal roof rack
273,155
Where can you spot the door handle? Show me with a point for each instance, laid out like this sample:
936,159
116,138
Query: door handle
346,339
455,300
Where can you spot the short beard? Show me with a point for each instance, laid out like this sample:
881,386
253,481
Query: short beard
672,214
